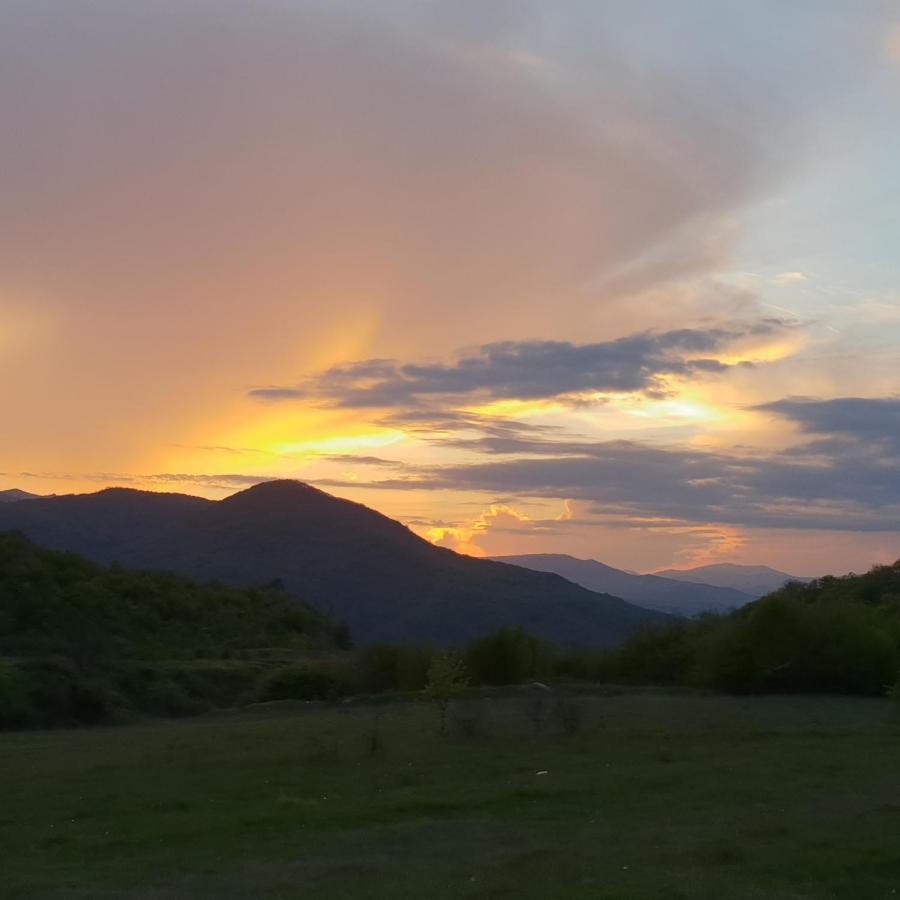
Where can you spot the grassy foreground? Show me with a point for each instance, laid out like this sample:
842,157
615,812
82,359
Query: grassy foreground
656,796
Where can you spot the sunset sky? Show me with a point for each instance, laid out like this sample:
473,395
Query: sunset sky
618,279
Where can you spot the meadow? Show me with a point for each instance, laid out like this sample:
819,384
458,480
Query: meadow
642,794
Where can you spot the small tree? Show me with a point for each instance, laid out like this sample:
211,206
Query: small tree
447,679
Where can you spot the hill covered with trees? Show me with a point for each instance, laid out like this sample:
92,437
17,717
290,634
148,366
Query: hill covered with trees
833,634
80,641
53,602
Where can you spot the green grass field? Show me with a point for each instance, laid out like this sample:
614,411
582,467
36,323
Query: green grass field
657,796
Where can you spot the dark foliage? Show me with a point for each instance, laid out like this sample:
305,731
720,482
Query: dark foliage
839,635
83,643
54,603
508,656
304,682
393,667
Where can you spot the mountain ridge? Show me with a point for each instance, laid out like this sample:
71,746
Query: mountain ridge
348,559
14,495
754,580
650,591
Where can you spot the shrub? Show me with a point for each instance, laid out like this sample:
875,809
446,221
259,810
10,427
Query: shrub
165,697
58,693
215,682
303,683
393,667
662,654
508,656
447,678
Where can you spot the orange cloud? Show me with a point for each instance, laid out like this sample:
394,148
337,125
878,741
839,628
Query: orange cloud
463,538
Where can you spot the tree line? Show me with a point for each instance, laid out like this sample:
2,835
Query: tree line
82,643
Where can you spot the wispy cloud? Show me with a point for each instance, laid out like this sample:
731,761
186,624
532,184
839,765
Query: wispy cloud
785,278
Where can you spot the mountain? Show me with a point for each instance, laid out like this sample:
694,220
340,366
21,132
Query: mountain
386,582
753,580
651,591
13,495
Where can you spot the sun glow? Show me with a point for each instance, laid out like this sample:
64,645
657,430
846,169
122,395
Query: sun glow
763,354
518,409
340,443
678,408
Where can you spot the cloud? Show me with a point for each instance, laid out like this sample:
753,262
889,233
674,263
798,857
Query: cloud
208,191
864,418
497,519
528,370
829,486
350,459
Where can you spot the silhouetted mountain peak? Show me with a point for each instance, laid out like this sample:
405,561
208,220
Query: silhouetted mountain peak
290,504
372,571
288,494
276,490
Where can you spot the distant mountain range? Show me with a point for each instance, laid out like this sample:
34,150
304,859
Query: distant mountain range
679,597
753,580
371,571
14,495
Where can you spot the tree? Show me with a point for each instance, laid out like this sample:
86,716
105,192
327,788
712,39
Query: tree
447,679
507,656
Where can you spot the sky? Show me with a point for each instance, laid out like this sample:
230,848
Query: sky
614,279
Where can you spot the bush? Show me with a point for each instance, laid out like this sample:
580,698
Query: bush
165,697
662,654
447,679
216,683
508,656
784,645
304,683
393,667
60,694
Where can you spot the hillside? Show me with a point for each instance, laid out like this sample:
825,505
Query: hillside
753,580
651,591
56,603
345,558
